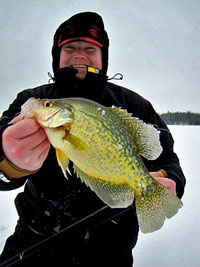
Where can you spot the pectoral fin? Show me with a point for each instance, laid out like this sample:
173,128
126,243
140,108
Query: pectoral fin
63,161
114,195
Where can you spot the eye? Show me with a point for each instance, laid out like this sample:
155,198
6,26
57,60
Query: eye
68,47
90,49
48,104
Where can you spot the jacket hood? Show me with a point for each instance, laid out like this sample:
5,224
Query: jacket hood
80,23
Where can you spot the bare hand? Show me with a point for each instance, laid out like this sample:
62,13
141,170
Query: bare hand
168,183
25,144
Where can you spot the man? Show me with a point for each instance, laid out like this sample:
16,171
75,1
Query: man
50,203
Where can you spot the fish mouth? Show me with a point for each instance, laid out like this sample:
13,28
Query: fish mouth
28,108
56,118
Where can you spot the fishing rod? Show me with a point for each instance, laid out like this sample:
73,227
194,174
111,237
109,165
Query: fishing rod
90,221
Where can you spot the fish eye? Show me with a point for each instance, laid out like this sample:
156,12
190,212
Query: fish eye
48,104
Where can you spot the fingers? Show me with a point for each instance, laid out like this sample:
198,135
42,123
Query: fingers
34,140
44,152
160,173
23,128
17,118
35,156
168,183
25,144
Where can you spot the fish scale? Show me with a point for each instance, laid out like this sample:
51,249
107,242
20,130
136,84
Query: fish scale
105,145
101,150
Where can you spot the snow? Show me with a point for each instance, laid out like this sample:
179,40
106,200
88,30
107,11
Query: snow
177,244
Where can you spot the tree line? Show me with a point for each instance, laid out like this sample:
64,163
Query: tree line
181,118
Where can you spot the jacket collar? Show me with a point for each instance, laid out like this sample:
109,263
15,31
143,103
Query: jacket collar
67,85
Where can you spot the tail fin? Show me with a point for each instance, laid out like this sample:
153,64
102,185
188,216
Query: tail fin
156,205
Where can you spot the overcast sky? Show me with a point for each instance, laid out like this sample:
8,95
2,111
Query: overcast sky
155,44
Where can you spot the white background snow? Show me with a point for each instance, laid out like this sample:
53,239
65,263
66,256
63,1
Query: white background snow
177,244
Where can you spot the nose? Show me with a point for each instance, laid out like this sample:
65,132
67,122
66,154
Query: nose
79,53
79,56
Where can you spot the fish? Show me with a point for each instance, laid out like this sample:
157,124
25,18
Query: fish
106,146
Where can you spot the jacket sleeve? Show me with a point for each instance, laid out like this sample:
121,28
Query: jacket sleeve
168,160
7,169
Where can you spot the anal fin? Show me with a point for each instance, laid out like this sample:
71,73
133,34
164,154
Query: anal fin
114,195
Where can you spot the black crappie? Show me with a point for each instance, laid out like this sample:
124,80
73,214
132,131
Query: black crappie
105,145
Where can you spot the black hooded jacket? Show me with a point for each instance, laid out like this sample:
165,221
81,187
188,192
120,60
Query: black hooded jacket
48,195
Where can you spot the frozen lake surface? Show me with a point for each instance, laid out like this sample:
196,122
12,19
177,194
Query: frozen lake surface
177,244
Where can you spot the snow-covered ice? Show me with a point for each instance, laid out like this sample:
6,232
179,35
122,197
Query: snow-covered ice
177,244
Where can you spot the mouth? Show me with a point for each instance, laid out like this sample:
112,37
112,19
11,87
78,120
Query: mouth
79,66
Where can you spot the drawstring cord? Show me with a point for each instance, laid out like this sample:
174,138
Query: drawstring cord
117,76
51,78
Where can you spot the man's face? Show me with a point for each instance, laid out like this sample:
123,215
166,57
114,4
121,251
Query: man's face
79,55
